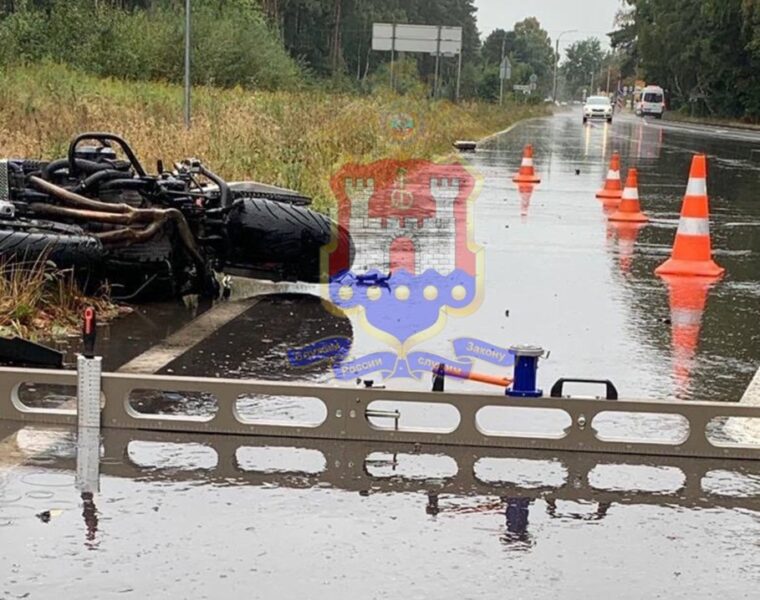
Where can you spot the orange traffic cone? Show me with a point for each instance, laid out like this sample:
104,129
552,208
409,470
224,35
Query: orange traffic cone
627,234
527,174
526,193
630,208
692,251
613,187
688,297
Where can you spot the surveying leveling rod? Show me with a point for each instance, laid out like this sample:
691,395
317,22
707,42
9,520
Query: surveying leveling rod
88,409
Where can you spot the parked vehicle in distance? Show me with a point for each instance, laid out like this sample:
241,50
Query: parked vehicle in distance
651,102
597,107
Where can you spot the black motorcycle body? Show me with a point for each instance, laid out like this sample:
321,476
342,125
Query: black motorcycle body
155,236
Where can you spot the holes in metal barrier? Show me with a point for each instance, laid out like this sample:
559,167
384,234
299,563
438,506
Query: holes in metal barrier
731,484
636,478
275,459
383,465
733,432
47,396
576,510
517,421
413,416
641,427
171,455
523,472
281,411
196,406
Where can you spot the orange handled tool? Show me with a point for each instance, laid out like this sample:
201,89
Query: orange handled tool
502,382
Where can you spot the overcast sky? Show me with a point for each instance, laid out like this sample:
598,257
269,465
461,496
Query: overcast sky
589,17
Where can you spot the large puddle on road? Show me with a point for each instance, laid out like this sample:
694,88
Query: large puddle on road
190,517
183,516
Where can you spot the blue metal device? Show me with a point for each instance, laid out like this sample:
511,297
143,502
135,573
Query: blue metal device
526,366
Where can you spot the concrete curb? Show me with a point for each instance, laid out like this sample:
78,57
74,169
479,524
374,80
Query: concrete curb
752,393
734,126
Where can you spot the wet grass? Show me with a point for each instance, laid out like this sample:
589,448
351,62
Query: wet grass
294,139
39,301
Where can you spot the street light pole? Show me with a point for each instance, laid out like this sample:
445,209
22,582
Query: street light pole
501,65
556,62
187,64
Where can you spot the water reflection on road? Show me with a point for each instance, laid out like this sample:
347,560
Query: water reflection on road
225,516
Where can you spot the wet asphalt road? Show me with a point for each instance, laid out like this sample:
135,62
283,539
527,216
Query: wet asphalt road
581,290
552,261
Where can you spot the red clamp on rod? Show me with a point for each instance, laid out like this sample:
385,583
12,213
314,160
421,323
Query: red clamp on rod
88,332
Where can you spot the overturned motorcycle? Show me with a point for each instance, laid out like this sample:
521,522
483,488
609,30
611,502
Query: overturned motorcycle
155,236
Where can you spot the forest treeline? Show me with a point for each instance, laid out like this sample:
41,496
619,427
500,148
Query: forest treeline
269,44
706,53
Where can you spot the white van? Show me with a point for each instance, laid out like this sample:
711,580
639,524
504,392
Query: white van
652,102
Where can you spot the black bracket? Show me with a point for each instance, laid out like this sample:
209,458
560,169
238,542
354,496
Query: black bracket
612,393
439,378
19,352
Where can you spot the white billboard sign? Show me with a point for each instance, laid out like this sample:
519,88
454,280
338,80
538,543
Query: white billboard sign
382,36
430,39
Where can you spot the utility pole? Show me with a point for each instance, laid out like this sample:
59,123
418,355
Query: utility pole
556,62
501,65
187,64
459,75
609,70
393,50
437,62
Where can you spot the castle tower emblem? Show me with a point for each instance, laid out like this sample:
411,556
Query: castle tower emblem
415,261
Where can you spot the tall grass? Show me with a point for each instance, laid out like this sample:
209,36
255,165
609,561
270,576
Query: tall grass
297,139
38,300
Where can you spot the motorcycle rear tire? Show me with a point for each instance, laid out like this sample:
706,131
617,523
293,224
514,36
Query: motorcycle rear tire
281,238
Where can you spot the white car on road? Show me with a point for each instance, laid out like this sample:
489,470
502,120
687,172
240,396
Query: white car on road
597,107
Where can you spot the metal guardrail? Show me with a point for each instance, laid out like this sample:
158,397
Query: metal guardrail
347,415
356,467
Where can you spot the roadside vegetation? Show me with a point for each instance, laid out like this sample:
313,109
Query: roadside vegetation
39,301
297,139
705,53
